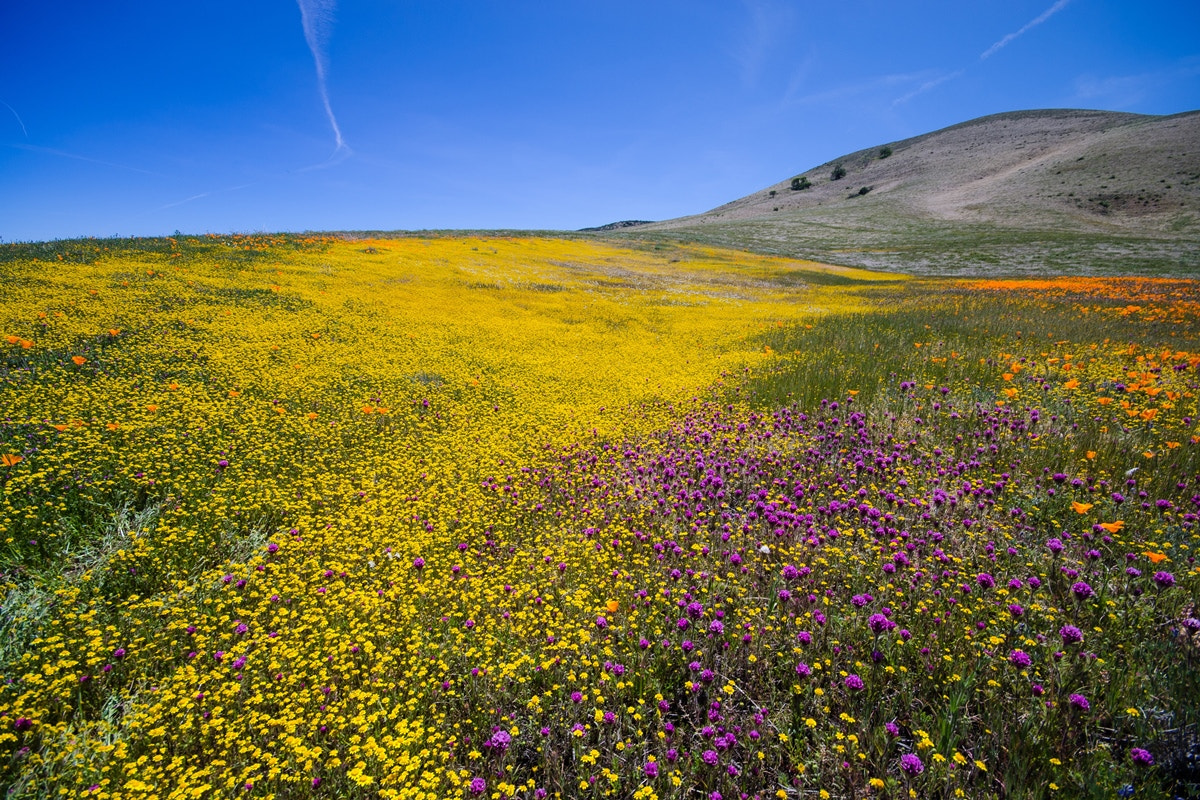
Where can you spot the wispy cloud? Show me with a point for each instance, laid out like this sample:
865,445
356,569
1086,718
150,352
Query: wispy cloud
337,157
1045,15
926,86
317,18
18,116
33,148
866,86
1125,91
768,25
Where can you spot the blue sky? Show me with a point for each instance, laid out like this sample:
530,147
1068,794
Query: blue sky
146,118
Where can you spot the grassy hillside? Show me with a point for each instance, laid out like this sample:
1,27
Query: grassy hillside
1032,192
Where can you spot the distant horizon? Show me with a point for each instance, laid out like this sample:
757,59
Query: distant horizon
317,116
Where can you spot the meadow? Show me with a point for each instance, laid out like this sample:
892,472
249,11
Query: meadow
502,516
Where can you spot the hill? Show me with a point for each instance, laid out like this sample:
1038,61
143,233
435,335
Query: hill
1061,191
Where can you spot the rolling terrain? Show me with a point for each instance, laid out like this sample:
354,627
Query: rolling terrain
1026,192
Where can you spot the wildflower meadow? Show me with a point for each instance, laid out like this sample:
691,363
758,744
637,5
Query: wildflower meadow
517,517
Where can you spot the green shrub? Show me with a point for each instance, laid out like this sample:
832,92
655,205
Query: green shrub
801,183
838,173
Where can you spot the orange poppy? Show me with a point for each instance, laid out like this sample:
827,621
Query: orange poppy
1155,558
1113,527
79,360
1081,508
11,459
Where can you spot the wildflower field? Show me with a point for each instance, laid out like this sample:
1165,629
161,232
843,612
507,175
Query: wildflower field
492,517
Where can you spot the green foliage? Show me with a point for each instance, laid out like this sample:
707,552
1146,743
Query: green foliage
838,173
801,183
885,152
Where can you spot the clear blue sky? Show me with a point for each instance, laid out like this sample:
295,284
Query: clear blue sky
145,118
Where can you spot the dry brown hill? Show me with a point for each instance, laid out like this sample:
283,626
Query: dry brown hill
1029,191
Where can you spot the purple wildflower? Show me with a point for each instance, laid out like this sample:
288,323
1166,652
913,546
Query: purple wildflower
1142,757
1070,634
911,764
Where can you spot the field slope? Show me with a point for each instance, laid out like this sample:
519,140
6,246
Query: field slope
494,517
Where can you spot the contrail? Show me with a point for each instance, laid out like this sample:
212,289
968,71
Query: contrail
925,87
18,116
205,194
316,16
1054,9
33,148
